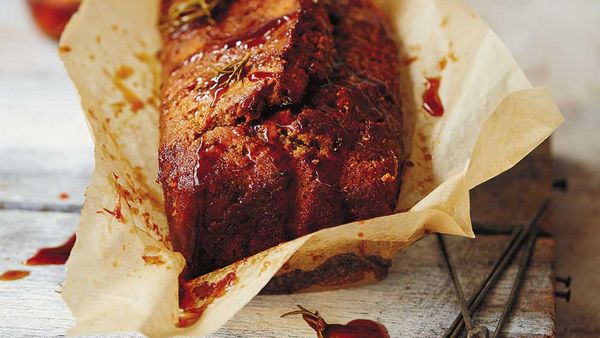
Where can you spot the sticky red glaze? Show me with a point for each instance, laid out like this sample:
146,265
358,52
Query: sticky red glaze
12,275
431,97
217,87
207,290
259,36
53,256
51,16
249,39
257,76
191,294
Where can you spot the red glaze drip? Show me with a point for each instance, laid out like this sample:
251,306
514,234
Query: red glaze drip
51,16
257,76
358,328
217,87
12,275
53,256
205,292
431,97
216,95
408,60
116,212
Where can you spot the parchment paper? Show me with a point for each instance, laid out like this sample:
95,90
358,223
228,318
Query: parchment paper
122,275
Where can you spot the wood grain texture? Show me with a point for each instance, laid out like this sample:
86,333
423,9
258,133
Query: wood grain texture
45,147
43,180
515,196
416,300
31,306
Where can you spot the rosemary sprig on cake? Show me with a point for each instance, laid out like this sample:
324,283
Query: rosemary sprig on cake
184,12
231,72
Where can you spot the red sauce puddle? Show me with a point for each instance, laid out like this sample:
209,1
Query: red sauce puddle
205,292
431,97
12,275
53,256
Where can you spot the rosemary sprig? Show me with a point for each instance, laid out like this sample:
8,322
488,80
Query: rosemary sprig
233,71
184,12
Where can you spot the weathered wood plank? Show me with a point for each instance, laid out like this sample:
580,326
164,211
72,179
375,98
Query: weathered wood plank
45,147
514,197
31,306
416,300
43,180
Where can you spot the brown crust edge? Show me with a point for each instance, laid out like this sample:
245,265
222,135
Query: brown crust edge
341,271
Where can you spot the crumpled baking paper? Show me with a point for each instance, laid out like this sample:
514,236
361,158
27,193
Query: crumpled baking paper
122,274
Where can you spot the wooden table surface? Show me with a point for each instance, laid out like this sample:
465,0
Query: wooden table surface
45,150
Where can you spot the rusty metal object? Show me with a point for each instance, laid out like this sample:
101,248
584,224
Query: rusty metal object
518,236
473,331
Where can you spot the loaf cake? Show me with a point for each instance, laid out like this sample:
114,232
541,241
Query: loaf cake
278,118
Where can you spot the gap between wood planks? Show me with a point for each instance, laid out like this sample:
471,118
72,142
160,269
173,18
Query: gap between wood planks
41,207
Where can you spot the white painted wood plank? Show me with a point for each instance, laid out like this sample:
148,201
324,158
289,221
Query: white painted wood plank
31,306
39,107
416,300
45,146
43,180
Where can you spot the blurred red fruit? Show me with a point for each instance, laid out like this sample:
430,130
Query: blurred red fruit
51,16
